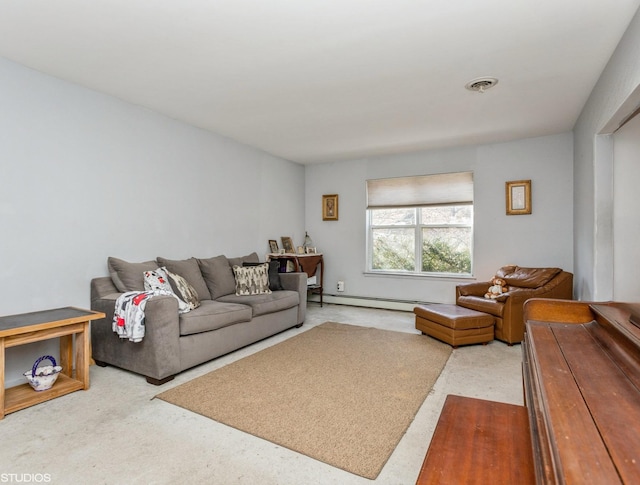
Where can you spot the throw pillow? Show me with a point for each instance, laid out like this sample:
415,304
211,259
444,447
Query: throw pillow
190,271
128,276
274,274
183,289
252,280
158,280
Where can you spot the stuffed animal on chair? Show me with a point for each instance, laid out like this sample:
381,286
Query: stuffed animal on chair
497,288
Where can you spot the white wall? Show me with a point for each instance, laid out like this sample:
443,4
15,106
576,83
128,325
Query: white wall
543,238
626,217
85,176
612,98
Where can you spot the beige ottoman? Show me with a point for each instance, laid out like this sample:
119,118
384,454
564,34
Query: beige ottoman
454,325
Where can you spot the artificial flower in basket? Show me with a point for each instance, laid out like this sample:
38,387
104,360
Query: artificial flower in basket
43,378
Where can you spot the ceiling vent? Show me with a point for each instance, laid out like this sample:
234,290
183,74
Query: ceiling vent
481,84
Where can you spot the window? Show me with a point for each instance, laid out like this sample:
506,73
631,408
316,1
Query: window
421,225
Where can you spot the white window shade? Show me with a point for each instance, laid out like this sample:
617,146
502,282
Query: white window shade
422,190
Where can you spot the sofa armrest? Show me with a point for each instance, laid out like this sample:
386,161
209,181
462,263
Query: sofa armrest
478,288
157,356
559,287
101,287
297,282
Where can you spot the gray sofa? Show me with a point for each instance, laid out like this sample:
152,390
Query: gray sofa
173,342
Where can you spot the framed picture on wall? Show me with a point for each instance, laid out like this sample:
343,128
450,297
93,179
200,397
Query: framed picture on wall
518,197
330,207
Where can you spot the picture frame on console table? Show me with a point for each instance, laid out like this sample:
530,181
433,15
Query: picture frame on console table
330,207
518,197
287,244
273,246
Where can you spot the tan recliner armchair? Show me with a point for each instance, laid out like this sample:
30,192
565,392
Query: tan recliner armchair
522,284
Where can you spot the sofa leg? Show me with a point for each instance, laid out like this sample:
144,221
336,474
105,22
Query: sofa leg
299,325
99,363
159,382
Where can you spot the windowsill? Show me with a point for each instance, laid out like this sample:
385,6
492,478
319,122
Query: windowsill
398,274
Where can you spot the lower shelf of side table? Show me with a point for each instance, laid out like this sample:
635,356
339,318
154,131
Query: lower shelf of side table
23,396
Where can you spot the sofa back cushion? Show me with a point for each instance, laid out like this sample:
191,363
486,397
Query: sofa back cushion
128,276
218,276
249,258
218,273
506,270
190,271
531,277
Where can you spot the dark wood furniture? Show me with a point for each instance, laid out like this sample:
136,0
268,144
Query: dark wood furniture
495,448
312,264
69,324
582,379
581,372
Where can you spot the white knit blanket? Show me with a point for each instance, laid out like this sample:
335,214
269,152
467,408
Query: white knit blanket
128,318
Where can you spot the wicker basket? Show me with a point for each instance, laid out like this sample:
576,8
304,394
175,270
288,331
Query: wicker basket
43,378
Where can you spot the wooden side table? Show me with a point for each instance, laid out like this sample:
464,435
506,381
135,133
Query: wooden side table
307,263
64,323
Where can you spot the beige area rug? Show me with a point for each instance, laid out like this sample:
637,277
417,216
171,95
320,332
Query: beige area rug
341,394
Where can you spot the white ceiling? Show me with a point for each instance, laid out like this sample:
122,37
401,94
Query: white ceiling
328,80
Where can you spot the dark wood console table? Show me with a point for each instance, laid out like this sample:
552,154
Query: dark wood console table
581,372
312,264
64,323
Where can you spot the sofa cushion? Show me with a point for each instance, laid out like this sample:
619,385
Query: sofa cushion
183,289
249,258
252,280
531,277
129,276
211,315
158,280
190,271
218,276
506,270
267,302
274,274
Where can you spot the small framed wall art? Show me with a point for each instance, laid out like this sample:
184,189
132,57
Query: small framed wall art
518,197
330,207
273,246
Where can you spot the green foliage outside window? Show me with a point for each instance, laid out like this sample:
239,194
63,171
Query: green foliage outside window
440,257
396,257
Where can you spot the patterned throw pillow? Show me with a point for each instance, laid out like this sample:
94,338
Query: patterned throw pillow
183,289
156,280
159,280
252,280
274,274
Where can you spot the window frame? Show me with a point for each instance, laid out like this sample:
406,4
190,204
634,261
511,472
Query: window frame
418,227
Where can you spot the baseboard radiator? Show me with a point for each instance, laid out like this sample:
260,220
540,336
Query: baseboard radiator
369,302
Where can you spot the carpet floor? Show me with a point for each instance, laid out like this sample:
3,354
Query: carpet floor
341,394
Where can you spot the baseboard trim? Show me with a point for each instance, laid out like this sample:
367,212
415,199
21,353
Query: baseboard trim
364,301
